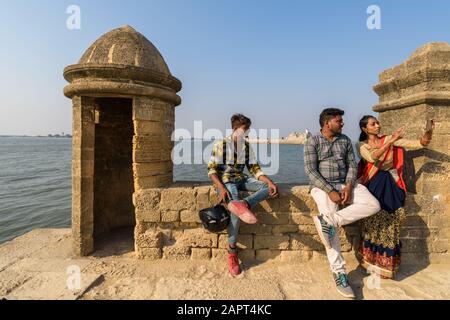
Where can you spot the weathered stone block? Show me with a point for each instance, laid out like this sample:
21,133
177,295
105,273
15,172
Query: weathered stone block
301,201
188,225
159,181
149,239
202,199
141,227
245,241
310,230
178,199
145,200
269,205
271,242
199,238
150,142
282,229
149,253
301,218
176,252
148,215
247,254
189,216
143,127
152,148
273,218
170,216
305,242
149,109
255,229
152,169
172,236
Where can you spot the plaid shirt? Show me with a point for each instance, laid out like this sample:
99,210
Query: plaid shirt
229,165
328,164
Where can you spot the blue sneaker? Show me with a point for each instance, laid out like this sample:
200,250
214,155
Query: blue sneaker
342,285
326,231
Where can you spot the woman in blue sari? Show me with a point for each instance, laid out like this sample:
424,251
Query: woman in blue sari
381,171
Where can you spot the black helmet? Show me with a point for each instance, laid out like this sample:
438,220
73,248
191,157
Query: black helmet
215,219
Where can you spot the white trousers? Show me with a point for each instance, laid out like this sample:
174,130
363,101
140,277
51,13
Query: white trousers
364,204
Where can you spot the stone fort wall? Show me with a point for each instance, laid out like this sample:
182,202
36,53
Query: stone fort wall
168,227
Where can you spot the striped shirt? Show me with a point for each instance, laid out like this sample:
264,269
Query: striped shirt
229,164
329,164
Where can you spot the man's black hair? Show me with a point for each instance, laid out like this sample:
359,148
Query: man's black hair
329,114
239,119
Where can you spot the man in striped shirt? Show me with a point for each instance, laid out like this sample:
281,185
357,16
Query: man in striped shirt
331,167
226,170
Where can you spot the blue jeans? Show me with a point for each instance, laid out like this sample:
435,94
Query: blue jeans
260,192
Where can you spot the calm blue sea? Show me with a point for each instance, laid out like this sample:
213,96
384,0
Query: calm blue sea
35,179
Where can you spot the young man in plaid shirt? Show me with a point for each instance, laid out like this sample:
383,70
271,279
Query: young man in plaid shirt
331,167
229,158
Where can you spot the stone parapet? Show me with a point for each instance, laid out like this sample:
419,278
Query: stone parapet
168,227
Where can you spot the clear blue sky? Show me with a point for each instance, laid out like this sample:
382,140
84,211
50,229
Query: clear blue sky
279,62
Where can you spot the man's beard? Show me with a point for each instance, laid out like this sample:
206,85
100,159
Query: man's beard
337,131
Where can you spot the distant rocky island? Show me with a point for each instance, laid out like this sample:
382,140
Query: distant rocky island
63,135
295,137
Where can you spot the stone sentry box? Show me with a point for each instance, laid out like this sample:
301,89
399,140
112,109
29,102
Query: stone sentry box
123,116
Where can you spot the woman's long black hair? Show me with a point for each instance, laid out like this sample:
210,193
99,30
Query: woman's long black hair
363,124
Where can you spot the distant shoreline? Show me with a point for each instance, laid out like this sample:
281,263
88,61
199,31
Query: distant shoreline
25,136
288,142
278,141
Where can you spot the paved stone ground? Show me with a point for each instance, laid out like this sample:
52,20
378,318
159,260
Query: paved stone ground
35,266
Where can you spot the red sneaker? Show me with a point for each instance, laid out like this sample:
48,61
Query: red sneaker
233,264
240,209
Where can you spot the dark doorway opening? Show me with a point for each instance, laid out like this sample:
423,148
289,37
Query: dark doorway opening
113,169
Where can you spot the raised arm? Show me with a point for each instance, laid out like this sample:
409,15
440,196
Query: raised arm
365,153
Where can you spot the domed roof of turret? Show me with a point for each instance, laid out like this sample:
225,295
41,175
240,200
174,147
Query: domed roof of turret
122,62
125,46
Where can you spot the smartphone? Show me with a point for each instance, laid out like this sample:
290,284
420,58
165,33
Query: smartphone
429,125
